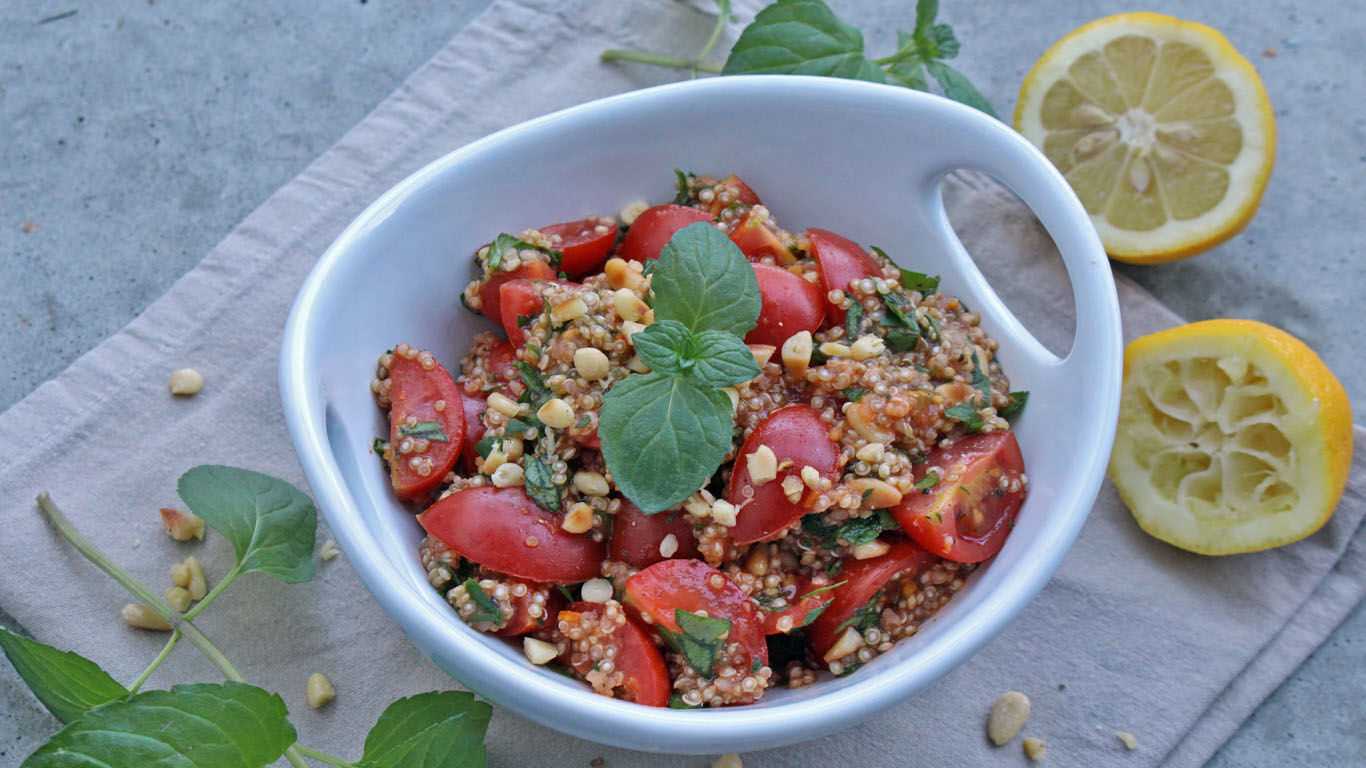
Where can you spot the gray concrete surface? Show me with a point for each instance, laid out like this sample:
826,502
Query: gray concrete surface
134,134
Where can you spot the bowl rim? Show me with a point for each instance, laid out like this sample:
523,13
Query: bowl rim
585,714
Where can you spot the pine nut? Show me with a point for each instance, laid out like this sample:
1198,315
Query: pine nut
1033,748
591,363
185,381
182,526
762,353
762,465
631,210
870,550
880,494
504,404
871,453
596,591
727,761
834,349
698,507
556,414
180,575
142,617
568,310
329,550
579,518
849,642
811,478
723,512
797,354
178,598
793,488
503,451
668,546
866,347
509,475
1008,716
629,329
198,585
637,365
1127,739
620,274
320,690
539,652
734,395
591,484
628,304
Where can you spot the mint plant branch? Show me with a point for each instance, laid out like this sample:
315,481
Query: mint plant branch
165,651
660,60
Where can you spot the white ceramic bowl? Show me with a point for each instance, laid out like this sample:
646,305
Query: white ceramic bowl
861,159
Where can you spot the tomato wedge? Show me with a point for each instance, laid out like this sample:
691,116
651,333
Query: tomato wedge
518,299
862,579
841,261
522,622
967,515
795,433
692,586
651,230
584,244
475,405
789,304
636,536
491,303
502,363
645,676
756,240
415,421
802,604
503,529
739,193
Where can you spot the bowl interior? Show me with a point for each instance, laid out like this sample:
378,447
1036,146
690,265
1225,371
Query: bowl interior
857,159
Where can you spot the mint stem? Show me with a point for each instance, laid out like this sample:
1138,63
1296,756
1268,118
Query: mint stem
165,652
661,60
219,587
323,757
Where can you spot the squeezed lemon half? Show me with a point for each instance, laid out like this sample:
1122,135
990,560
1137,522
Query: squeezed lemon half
1233,437
1162,128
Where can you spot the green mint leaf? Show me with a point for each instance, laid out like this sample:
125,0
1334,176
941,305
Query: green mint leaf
860,530
427,430
967,414
896,304
430,730
227,725
703,281
816,612
909,73
65,682
536,391
945,43
540,485
682,194
516,427
980,381
663,437
700,639
1019,399
676,702
925,13
800,37
378,445
919,281
722,360
852,317
666,346
852,394
485,446
902,339
504,242
271,525
957,87
930,480
487,609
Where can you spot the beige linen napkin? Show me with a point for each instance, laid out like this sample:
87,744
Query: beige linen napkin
1174,647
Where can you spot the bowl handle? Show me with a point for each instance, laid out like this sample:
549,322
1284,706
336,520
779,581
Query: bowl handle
1010,159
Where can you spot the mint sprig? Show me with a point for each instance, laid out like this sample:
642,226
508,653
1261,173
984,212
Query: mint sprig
805,37
665,432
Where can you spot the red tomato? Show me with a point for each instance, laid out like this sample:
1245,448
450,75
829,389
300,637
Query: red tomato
519,298
503,529
489,300
502,363
967,515
522,622
636,535
789,304
646,678
796,433
756,240
415,391
654,226
739,193
692,586
862,579
475,405
582,245
841,261
801,604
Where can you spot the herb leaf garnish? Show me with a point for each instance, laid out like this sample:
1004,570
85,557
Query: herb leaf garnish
537,393
487,610
919,281
699,282
427,430
270,524
930,480
540,485
503,242
440,729
708,359
801,37
65,682
965,413
700,639
1019,400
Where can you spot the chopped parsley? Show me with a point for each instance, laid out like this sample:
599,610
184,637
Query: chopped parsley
540,484
699,639
485,447
537,393
852,317
930,480
1018,400
485,608
919,281
682,191
504,241
815,613
980,381
378,445
967,414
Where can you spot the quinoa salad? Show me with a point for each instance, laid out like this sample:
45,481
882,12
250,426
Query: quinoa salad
705,455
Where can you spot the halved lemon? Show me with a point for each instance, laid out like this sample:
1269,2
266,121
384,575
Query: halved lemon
1161,127
1233,437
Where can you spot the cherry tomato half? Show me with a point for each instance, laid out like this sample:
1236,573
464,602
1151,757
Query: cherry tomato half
651,230
475,405
967,515
861,580
790,304
841,261
692,586
502,363
756,240
519,299
582,244
503,529
796,433
739,193
805,602
636,536
491,303
521,621
645,676
415,392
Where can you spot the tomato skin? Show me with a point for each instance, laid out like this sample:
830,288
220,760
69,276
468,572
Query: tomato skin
841,261
687,585
582,247
638,658
414,392
756,240
502,363
795,432
636,535
739,189
491,526
651,230
862,579
475,405
790,304
801,605
489,301
519,298
522,621
941,518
